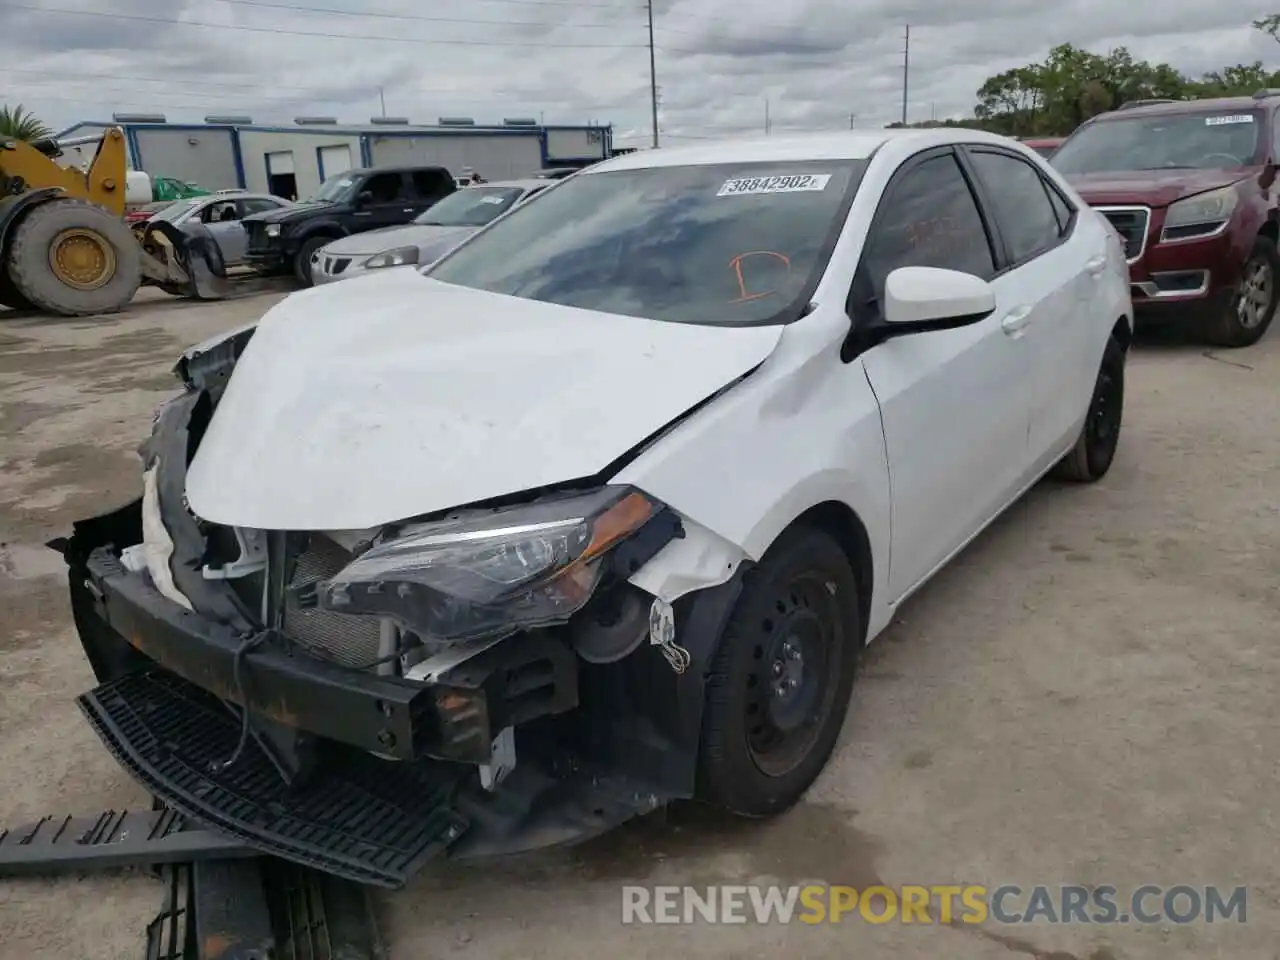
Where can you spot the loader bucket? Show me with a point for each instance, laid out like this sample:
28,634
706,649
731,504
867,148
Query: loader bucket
185,262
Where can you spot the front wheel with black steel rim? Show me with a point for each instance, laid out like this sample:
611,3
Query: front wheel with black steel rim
779,686
1095,449
1243,319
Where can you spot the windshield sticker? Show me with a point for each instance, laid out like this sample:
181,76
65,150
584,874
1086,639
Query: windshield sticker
496,200
1221,121
795,183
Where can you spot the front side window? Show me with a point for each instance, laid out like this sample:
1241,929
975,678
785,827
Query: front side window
1168,141
384,187
724,243
1027,219
473,207
929,218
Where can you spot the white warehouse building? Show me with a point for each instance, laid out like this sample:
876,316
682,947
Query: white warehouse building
226,152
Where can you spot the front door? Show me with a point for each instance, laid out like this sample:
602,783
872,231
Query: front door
387,202
953,403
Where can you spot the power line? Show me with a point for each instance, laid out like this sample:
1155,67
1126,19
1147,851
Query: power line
321,34
61,80
380,15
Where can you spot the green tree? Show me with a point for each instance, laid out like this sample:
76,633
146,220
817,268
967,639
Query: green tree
1270,25
19,124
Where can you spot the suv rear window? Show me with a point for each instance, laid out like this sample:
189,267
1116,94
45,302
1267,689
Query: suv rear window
1202,140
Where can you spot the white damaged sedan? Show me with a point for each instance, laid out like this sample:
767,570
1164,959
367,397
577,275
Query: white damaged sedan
598,511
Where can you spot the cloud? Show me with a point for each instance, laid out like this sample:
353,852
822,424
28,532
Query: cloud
807,64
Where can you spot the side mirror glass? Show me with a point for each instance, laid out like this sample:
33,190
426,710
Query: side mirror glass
918,299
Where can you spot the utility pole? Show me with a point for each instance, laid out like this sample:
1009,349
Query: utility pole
906,71
767,124
853,118
653,76
383,101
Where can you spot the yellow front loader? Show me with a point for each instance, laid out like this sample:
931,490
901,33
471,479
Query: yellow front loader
64,245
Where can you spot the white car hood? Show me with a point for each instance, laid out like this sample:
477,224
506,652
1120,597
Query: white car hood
394,395
388,238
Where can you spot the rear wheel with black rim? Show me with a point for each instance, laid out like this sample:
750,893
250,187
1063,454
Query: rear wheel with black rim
1245,317
1095,449
779,687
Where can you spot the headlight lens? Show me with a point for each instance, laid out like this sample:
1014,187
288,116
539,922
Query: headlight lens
398,257
273,229
1202,213
488,571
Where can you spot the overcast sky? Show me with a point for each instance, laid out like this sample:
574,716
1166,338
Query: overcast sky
810,64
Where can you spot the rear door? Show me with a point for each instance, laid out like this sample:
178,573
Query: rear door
954,403
1048,254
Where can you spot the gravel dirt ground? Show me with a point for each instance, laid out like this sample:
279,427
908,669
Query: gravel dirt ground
1087,695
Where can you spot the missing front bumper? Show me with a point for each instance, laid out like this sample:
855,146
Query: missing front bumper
370,820
510,685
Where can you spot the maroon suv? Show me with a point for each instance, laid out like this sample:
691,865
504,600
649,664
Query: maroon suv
1191,188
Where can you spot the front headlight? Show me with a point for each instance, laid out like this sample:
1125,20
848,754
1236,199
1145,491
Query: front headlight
273,229
399,257
1201,214
486,572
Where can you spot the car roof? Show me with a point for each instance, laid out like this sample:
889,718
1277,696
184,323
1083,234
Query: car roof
851,145
1187,106
524,183
397,168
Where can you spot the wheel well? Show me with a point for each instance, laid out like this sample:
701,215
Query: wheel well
841,522
1123,333
1271,231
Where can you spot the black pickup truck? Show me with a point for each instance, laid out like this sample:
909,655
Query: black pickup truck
352,202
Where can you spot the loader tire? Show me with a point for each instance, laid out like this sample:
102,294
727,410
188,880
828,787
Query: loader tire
9,295
74,259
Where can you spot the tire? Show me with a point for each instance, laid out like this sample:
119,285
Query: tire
302,261
1245,317
1095,449
32,250
9,295
761,751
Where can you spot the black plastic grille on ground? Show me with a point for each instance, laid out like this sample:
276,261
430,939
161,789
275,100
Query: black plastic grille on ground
369,820
171,935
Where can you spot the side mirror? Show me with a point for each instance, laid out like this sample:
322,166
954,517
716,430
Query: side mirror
921,299
365,198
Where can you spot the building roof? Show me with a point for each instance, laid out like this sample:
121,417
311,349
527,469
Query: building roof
344,129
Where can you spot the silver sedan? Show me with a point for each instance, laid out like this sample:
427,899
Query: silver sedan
221,213
426,239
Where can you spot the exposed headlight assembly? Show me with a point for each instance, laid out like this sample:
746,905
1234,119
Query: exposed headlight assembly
399,257
486,572
273,229
1201,215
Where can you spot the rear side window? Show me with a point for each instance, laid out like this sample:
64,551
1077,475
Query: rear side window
1018,193
929,218
431,184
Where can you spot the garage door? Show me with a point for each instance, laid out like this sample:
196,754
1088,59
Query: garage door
334,160
280,163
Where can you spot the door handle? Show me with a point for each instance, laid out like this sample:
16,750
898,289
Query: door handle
1096,265
1016,320
408,209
